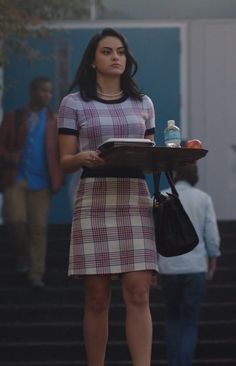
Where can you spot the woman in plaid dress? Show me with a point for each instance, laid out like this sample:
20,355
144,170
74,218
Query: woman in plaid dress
112,228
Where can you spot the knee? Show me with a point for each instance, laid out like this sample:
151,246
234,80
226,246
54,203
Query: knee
137,296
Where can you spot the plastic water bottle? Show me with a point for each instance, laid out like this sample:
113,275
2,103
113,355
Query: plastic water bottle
172,136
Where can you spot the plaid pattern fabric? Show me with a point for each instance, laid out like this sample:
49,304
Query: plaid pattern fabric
112,229
96,121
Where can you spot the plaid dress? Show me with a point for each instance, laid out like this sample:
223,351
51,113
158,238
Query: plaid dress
112,227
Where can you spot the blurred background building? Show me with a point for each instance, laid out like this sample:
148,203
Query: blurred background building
166,9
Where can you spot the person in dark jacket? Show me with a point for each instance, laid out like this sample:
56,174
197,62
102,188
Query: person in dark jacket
30,175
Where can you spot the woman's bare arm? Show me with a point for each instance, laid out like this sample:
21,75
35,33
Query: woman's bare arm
71,160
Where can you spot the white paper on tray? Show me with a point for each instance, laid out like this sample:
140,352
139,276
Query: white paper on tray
114,142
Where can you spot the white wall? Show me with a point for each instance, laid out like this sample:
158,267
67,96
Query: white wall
167,9
212,108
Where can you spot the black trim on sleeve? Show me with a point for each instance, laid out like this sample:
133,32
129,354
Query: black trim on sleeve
67,131
150,131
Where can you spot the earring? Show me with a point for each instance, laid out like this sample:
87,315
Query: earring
93,66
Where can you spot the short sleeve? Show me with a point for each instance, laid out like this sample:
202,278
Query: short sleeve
150,113
68,116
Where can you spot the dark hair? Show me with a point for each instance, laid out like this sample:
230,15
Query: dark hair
35,83
85,78
187,172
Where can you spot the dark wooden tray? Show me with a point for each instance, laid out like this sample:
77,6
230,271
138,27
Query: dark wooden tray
150,158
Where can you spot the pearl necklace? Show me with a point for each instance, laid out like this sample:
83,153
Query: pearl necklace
115,95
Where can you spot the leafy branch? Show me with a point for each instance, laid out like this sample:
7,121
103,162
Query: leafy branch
21,18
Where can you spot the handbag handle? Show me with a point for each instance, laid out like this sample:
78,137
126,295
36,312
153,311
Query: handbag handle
156,180
169,177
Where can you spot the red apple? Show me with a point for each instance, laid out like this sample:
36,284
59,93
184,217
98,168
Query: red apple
193,144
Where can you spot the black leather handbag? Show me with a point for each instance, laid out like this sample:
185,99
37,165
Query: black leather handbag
174,231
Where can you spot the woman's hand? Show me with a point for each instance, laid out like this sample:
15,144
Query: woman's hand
90,159
71,160
211,267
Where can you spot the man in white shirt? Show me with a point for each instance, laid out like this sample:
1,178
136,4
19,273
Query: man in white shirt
183,278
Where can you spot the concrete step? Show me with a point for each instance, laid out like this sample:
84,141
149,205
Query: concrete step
60,294
45,328
74,350
58,276
55,312
155,362
72,331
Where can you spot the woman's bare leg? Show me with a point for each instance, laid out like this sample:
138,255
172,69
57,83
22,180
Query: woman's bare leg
136,287
97,301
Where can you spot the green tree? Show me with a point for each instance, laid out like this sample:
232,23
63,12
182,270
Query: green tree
19,18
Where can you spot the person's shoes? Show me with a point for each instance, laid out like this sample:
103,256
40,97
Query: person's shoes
36,282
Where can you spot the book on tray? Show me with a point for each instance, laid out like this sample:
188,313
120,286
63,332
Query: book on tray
117,142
